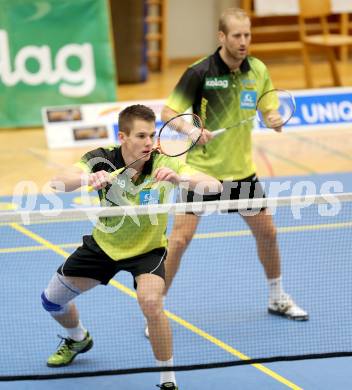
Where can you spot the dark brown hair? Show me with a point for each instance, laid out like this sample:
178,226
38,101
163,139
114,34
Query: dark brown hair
137,111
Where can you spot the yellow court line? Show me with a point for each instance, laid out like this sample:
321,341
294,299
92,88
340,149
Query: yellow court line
172,316
283,229
36,248
23,249
39,239
231,350
303,228
212,339
235,233
70,245
44,222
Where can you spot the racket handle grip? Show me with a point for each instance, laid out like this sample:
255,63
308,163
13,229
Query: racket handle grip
218,132
112,175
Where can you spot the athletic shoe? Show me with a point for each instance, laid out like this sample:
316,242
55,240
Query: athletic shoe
68,350
286,307
168,386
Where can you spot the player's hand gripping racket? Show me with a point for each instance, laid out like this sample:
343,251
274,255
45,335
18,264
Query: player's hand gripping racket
273,110
176,137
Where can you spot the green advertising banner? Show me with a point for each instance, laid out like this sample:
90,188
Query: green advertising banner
53,52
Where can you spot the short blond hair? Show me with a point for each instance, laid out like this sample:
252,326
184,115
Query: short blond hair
238,13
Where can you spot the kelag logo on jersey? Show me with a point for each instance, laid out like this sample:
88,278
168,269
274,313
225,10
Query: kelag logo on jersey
248,100
217,82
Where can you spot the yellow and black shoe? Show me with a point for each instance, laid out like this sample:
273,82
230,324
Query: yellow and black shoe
68,349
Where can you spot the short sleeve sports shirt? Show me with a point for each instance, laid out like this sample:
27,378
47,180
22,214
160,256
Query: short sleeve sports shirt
131,235
222,98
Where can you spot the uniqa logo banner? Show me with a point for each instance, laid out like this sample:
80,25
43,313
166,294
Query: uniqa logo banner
53,53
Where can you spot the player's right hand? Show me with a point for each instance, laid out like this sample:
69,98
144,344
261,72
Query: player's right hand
206,137
99,180
166,174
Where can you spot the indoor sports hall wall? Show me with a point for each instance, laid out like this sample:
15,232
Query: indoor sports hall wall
199,19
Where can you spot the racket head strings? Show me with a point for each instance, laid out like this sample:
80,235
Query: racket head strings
278,104
179,134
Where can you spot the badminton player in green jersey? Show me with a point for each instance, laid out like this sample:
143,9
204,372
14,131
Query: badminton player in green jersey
223,89
121,243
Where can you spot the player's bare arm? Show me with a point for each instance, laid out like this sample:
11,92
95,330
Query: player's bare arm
193,182
167,113
75,178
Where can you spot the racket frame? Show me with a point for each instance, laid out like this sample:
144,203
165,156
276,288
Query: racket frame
201,128
158,148
216,133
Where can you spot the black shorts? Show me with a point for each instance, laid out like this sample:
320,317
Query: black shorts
90,261
248,188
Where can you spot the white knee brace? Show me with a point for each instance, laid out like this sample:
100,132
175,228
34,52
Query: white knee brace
58,294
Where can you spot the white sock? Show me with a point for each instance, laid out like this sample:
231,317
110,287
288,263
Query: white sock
78,333
275,289
166,376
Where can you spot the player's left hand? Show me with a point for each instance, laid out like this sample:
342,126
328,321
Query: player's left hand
273,120
166,174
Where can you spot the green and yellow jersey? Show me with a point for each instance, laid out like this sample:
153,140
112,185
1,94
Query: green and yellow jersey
222,98
131,235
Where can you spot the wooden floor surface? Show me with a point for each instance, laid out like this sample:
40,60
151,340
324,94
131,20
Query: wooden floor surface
24,155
